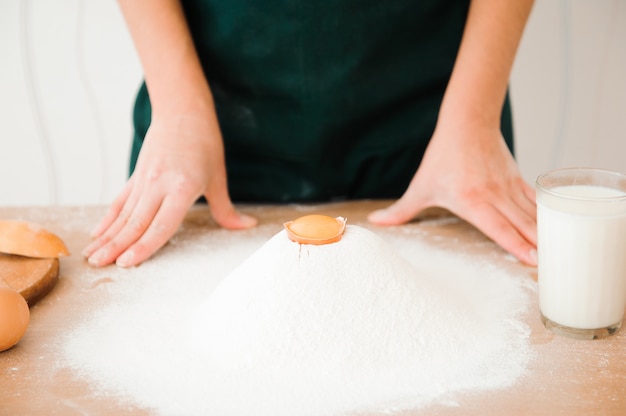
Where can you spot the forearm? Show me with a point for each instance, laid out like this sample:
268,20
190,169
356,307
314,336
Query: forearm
480,77
172,69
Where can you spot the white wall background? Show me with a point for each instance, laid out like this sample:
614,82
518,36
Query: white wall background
67,81
69,73
569,86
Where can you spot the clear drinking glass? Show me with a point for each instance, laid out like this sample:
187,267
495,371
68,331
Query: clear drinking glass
581,226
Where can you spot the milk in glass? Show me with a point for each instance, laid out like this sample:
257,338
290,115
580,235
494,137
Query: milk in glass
582,254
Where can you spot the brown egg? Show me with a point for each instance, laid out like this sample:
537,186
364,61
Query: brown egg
30,240
14,317
316,229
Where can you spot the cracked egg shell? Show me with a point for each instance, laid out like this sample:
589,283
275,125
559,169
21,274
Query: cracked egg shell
316,229
30,240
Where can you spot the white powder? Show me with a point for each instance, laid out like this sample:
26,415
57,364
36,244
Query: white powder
360,325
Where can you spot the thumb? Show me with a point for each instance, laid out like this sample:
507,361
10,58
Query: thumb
224,212
400,212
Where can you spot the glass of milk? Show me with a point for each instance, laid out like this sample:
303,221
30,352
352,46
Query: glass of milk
581,226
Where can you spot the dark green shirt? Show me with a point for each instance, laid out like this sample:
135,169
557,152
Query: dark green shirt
323,100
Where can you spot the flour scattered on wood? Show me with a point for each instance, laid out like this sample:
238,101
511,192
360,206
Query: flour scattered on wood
363,325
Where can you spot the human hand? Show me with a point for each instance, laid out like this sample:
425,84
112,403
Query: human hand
469,171
181,160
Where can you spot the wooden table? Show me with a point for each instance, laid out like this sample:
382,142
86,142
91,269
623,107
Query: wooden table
566,377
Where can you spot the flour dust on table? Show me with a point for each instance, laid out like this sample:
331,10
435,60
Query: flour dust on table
353,326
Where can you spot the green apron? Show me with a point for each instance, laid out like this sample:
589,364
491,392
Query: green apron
323,100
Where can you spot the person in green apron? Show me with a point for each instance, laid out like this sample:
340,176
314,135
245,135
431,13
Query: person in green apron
292,101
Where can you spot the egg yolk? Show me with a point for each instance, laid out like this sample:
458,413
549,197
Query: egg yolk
316,229
14,318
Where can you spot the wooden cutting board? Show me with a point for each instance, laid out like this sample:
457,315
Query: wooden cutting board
30,277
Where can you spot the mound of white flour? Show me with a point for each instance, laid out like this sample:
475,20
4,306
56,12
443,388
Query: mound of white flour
309,330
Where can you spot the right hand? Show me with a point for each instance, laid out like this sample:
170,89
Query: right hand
181,160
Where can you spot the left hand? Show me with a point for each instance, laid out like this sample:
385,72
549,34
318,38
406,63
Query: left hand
469,171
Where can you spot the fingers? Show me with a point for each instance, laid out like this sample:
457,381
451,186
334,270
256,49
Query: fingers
114,211
131,223
160,230
511,237
508,217
523,212
115,219
137,226
129,243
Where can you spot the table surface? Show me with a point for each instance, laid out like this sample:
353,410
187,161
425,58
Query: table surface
566,376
